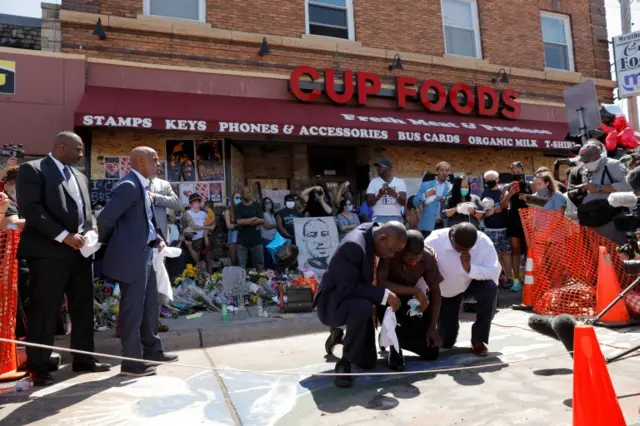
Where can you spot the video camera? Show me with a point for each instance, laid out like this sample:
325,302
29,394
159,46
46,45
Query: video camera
630,225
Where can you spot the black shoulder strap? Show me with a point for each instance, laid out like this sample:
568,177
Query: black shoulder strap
606,173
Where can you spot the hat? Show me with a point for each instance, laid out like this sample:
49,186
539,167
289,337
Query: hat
588,150
194,197
383,163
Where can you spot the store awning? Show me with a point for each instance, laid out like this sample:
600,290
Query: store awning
225,115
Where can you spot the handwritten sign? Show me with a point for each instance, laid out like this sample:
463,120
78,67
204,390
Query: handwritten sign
101,190
210,158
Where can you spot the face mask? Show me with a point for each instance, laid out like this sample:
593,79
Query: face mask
290,204
518,177
593,166
349,208
237,201
491,184
267,206
464,191
544,192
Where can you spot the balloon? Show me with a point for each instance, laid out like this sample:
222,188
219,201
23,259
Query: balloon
627,138
611,142
620,123
606,129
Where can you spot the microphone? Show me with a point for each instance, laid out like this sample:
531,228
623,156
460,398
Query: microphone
623,199
563,326
558,328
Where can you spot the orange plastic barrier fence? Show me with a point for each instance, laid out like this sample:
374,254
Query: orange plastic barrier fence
8,296
565,259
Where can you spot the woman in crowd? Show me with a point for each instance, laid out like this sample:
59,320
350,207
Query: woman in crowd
232,232
268,230
513,198
546,187
347,220
317,203
460,195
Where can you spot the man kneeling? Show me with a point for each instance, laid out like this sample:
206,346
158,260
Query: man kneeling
469,265
412,273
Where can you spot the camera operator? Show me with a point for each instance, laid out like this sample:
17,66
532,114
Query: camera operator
600,176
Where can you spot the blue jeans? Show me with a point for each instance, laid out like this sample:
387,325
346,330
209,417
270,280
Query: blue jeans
385,219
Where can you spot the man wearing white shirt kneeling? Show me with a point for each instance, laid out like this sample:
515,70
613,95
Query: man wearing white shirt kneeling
469,264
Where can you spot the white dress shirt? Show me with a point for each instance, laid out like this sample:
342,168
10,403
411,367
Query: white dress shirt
484,262
75,193
148,204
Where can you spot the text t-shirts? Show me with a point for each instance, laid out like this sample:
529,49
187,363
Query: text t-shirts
387,205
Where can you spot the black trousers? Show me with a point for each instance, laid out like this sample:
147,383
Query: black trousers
412,331
139,317
49,281
485,293
359,344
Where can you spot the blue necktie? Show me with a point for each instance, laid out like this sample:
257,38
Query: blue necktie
149,208
67,173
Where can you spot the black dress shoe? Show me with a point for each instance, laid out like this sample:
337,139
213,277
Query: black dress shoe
395,360
90,366
335,338
343,366
42,379
382,348
162,357
138,370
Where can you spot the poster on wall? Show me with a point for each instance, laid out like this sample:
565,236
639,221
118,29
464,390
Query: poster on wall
100,190
215,192
317,240
125,166
475,183
162,170
210,160
203,190
186,189
112,167
180,161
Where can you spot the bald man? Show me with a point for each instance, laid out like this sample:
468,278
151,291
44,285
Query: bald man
346,295
128,226
53,198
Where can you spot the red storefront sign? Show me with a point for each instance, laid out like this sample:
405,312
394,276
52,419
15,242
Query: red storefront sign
193,113
484,101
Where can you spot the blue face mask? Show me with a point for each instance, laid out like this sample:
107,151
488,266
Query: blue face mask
237,201
349,208
464,191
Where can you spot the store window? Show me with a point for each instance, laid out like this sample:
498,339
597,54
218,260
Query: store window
330,18
461,28
194,10
556,37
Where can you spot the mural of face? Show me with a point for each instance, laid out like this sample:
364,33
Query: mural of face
317,238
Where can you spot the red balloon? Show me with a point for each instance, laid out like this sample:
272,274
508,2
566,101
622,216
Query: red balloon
606,129
611,142
620,123
627,138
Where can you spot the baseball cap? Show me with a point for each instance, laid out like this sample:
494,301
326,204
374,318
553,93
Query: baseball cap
383,163
588,150
194,197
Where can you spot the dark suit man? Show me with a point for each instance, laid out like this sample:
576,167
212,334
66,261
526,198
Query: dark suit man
54,200
127,225
346,295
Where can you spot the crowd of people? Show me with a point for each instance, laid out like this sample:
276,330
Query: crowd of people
437,245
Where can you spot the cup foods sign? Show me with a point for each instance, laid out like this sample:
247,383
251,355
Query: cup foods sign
626,52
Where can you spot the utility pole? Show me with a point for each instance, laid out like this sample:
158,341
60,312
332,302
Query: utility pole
632,103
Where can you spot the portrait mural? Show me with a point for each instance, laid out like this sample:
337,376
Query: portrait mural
317,240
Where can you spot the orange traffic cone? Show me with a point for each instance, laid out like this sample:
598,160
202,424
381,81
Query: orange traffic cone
11,373
527,290
607,290
594,400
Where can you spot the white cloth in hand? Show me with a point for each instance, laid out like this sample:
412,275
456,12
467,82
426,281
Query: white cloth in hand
91,244
465,208
162,277
388,335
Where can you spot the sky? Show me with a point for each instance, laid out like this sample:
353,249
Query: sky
32,8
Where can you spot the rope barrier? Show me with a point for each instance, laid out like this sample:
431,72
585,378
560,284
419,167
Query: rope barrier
289,373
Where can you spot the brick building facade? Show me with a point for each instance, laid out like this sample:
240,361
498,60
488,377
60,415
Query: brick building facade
529,41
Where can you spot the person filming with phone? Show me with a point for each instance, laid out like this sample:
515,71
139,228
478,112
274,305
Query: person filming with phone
386,194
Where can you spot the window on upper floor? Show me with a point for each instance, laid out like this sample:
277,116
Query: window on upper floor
194,10
556,37
330,18
461,28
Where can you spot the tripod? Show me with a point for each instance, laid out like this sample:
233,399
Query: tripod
596,320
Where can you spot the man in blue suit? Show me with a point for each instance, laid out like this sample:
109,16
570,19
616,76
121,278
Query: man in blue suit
431,195
127,225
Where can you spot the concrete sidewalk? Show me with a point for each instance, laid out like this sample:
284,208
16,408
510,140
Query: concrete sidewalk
209,330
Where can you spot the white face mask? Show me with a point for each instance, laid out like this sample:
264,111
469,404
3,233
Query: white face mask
290,204
593,166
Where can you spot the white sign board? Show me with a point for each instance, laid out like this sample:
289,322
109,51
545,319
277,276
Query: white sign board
317,240
626,53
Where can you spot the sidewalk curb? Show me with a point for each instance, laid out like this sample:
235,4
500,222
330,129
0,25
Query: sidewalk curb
223,334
